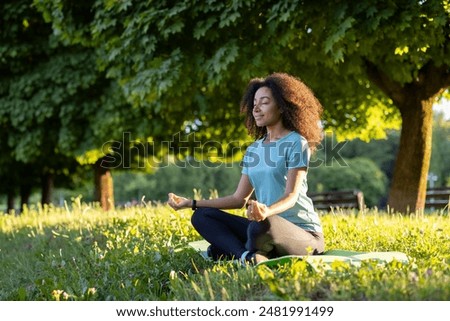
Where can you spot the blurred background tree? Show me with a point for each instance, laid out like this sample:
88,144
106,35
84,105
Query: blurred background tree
57,110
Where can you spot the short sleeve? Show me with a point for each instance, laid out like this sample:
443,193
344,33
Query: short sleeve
244,164
298,154
250,158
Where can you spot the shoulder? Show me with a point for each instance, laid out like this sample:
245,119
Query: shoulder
294,139
294,136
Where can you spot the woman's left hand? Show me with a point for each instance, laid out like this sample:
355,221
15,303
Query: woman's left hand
257,211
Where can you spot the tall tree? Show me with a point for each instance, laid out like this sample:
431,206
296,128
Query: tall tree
56,107
371,63
20,48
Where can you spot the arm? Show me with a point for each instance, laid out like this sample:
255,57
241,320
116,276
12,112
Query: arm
237,200
258,212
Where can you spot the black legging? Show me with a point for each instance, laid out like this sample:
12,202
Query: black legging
231,235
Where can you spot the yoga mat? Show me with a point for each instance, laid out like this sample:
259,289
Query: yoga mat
324,260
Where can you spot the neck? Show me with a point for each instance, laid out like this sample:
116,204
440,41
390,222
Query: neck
275,133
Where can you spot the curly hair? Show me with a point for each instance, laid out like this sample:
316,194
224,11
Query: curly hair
301,110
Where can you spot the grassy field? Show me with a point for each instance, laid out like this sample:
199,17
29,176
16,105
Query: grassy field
79,252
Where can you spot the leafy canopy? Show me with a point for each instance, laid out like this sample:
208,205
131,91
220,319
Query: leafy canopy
191,60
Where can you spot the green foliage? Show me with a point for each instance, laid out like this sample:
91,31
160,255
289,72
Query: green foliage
178,178
382,152
79,252
356,173
149,48
62,106
78,74
55,105
365,61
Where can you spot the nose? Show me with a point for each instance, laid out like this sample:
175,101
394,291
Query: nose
256,106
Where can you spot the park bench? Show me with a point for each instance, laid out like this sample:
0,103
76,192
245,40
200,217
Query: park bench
345,199
437,198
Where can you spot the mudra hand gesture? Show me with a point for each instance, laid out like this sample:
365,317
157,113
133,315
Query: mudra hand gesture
178,202
257,211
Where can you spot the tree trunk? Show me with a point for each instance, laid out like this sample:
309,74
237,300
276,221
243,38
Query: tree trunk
47,188
10,203
25,193
409,183
104,188
415,102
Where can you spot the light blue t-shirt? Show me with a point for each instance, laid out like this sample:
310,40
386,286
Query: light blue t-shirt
267,165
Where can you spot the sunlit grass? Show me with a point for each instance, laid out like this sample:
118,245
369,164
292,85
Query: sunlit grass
79,252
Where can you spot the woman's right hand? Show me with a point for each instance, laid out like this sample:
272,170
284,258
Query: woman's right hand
178,202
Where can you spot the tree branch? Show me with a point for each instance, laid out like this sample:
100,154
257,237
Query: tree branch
433,80
391,88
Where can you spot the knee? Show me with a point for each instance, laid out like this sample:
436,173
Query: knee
198,217
258,230
259,237
253,230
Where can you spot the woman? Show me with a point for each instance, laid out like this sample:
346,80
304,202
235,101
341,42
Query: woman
283,115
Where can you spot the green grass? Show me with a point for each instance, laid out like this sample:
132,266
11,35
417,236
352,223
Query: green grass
141,253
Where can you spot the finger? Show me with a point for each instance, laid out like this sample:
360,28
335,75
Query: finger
172,203
176,199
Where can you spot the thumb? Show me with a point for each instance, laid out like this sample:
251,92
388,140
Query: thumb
175,198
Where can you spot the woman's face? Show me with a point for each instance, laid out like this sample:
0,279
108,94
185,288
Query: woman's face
265,110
